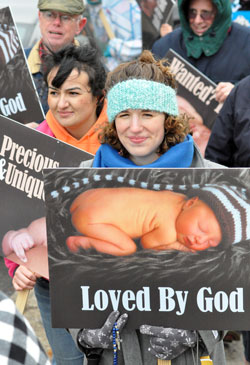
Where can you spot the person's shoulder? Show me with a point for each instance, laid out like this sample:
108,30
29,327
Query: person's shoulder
241,88
244,83
27,51
213,165
44,128
240,29
171,36
200,161
34,47
170,40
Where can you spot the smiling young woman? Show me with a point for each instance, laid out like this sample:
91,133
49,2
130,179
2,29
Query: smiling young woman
141,131
73,105
145,129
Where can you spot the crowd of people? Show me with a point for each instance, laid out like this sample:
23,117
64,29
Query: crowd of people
125,112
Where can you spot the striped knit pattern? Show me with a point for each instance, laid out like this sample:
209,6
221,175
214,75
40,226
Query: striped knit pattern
8,45
231,206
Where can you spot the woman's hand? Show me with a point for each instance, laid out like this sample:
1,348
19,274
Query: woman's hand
103,337
222,91
165,29
168,343
32,125
24,278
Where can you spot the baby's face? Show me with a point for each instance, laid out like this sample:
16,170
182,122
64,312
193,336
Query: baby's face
197,226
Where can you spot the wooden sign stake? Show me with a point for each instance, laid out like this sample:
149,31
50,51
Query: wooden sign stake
21,300
106,24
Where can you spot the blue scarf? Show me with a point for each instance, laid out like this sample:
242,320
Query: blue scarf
180,155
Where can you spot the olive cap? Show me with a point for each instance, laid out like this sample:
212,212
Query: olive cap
64,6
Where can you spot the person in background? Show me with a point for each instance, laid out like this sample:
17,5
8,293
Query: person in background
124,19
146,130
126,43
229,140
209,40
75,78
149,8
246,343
60,21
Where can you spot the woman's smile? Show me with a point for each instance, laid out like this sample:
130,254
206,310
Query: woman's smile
141,132
137,140
65,114
73,104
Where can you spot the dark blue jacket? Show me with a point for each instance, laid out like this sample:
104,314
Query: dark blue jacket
229,143
230,64
40,86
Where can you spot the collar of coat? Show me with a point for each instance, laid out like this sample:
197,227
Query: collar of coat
34,60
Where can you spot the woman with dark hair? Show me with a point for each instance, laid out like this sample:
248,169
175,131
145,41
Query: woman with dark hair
75,78
146,130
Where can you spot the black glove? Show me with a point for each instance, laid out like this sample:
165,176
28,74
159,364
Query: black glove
102,337
168,343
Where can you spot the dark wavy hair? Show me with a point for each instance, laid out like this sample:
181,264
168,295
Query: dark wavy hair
147,68
82,58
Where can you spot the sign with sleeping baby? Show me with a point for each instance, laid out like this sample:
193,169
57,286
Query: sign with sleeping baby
166,246
24,152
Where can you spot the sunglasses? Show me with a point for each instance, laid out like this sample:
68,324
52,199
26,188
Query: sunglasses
204,14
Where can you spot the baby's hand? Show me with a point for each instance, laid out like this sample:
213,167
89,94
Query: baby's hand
18,242
179,247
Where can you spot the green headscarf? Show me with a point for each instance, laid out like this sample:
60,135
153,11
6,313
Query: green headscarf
211,41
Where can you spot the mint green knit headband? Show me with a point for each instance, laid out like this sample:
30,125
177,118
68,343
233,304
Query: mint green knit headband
141,94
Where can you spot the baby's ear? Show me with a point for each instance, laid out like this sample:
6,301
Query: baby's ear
190,202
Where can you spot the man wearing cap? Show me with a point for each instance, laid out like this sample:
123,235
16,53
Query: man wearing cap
60,21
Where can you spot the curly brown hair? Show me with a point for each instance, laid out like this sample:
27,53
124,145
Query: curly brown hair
146,67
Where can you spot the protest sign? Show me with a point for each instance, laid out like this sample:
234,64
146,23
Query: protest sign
24,152
195,88
110,247
18,95
154,14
